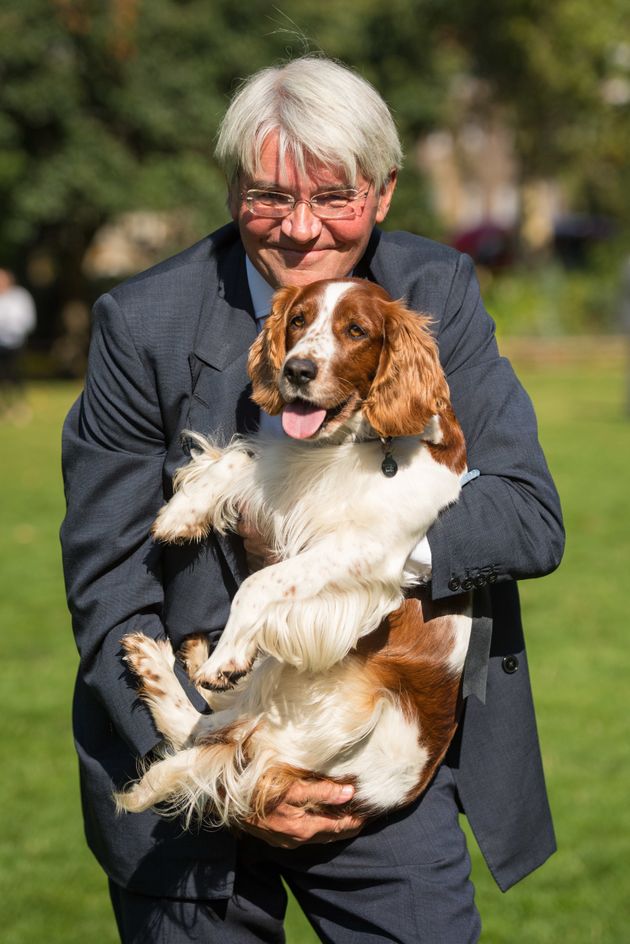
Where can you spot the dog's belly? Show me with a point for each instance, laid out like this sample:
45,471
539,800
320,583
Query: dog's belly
381,719
388,766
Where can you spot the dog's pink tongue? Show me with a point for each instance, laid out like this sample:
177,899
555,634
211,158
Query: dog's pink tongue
300,420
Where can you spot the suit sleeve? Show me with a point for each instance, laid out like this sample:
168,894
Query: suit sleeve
508,522
113,453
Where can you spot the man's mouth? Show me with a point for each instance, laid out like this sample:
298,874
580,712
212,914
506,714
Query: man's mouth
300,250
301,419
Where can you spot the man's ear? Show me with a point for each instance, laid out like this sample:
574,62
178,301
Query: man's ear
268,352
234,200
409,387
385,196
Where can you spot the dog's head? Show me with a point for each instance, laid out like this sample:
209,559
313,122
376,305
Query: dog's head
339,359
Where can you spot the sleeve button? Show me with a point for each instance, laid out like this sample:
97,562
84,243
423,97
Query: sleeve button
510,664
467,584
454,584
480,581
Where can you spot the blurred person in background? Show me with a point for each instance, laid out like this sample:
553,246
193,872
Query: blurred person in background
17,321
168,353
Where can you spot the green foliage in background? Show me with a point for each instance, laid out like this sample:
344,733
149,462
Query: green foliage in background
548,300
561,72
108,107
576,627
112,106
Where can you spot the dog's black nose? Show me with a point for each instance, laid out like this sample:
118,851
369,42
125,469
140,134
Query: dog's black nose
299,371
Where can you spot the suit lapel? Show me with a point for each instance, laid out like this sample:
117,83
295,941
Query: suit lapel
226,331
383,262
220,403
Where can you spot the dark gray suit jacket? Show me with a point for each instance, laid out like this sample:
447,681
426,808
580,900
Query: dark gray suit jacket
168,352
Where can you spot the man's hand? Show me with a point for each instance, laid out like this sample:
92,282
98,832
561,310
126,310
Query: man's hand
292,823
257,553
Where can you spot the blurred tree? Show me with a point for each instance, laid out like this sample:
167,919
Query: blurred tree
111,105
561,72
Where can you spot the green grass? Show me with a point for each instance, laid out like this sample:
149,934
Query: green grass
576,623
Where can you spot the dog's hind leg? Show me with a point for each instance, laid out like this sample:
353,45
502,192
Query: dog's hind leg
152,661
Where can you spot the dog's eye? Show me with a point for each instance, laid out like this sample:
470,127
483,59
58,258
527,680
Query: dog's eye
297,321
356,331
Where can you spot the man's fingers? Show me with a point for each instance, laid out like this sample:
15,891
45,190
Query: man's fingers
337,828
307,793
290,833
348,832
302,816
311,827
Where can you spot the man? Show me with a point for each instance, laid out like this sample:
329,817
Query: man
168,353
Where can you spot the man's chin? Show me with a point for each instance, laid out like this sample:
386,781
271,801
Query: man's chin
290,267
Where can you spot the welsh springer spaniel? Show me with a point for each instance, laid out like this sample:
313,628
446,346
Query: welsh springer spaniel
325,668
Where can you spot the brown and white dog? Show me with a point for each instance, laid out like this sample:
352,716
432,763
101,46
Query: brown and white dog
324,668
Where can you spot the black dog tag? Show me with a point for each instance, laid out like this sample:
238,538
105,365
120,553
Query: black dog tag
389,466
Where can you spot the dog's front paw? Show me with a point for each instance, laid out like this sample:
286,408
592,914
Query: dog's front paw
193,652
181,519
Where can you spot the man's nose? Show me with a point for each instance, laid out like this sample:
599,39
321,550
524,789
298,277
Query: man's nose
301,225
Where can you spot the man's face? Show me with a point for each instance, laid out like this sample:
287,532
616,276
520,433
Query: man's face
301,248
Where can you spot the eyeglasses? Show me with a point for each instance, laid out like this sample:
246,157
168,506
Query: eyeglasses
331,205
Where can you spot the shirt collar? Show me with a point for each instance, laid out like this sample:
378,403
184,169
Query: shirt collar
260,290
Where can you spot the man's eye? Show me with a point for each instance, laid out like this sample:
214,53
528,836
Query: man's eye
356,331
333,199
297,321
271,198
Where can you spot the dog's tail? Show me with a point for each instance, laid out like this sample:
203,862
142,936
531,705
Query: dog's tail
213,782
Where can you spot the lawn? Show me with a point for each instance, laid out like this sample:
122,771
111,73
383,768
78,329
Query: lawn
576,622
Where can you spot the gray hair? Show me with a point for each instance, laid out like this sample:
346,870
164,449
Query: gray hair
322,111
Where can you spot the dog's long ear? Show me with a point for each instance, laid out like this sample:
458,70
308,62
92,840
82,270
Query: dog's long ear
268,351
409,388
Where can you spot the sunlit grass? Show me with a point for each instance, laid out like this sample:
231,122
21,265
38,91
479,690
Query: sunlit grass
576,624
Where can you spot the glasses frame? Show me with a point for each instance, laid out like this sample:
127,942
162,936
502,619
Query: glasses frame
356,211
